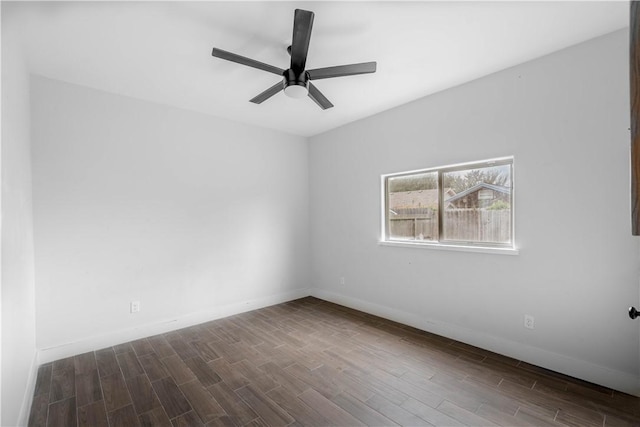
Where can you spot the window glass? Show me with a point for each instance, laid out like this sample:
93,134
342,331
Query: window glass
470,204
480,210
413,207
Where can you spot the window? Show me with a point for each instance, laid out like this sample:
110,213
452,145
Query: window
468,205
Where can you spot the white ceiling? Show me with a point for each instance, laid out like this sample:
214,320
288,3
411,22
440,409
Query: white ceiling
161,51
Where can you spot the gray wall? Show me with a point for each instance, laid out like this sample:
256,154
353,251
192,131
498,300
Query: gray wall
195,217
565,118
18,300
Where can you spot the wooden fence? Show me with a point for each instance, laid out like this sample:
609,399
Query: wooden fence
470,225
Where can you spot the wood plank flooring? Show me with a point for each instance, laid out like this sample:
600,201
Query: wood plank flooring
310,362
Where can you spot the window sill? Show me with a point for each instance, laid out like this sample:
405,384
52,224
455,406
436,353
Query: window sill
456,248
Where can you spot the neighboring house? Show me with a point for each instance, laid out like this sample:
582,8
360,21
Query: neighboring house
420,199
480,195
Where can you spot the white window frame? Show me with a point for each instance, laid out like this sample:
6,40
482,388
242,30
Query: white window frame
441,244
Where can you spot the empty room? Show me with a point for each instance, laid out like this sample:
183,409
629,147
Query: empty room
320,213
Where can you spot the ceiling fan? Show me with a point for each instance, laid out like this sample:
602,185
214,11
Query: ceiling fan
296,81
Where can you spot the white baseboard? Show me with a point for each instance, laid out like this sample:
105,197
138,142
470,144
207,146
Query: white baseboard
118,337
617,380
587,371
27,399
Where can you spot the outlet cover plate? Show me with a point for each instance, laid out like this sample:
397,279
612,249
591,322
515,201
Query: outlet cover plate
135,306
529,321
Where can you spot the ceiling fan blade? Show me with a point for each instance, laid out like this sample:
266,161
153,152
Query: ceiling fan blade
267,93
342,70
302,24
219,53
318,97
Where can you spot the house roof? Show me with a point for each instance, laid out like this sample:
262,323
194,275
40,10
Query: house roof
417,199
482,185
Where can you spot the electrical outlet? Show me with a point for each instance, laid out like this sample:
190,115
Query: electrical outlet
529,321
342,281
135,306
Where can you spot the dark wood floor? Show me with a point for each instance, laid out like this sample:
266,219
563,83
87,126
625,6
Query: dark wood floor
309,362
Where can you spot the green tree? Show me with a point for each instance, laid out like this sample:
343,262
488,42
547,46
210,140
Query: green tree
423,181
459,181
463,180
499,205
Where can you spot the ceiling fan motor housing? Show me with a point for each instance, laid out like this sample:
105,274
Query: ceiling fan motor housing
295,84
